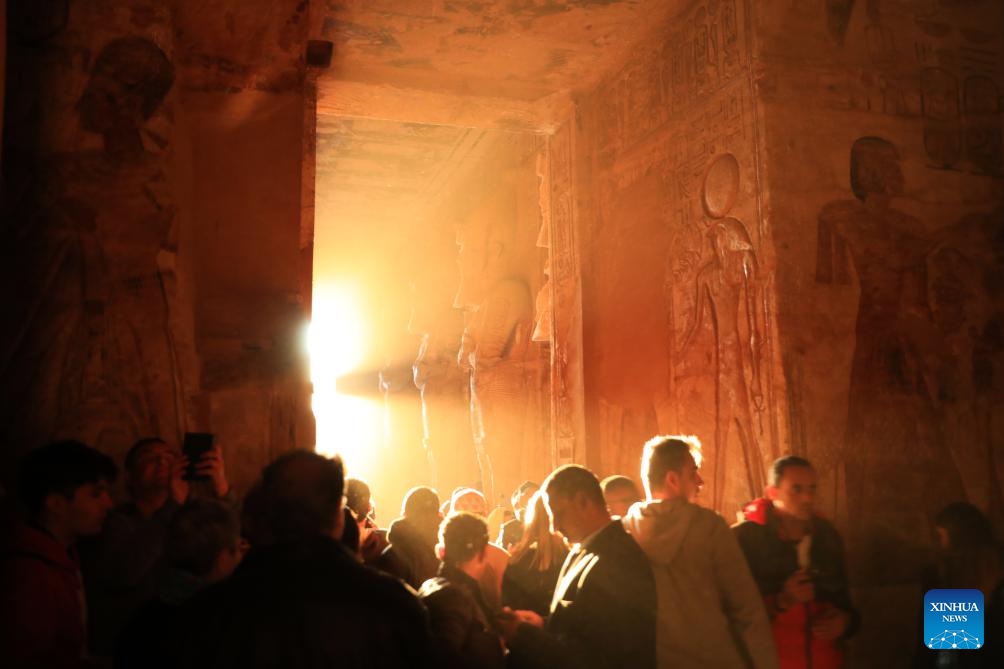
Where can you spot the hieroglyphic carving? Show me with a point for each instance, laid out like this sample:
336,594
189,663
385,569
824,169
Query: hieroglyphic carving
982,114
942,121
543,308
921,55
566,387
102,231
892,432
705,54
728,286
701,54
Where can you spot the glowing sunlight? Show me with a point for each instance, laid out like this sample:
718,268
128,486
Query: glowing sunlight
346,425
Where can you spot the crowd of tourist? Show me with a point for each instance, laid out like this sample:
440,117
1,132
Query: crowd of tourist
581,573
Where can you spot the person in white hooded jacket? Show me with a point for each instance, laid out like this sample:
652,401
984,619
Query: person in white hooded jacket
710,613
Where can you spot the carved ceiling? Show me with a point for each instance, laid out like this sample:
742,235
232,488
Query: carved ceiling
385,171
486,55
414,84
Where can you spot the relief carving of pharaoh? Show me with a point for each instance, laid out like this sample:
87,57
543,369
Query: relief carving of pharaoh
97,329
892,405
498,321
443,385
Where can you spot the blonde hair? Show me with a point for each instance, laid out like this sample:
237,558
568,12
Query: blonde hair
537,534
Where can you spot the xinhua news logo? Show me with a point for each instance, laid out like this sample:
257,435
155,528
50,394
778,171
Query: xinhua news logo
953,619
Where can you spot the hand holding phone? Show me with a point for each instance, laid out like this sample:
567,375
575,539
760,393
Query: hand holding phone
196,445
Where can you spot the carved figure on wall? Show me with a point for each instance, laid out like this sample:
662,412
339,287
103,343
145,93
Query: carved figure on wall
543,307
879,37
96,337
968,310
446,437
982,106
838,18
942,123
498,318
727,286
891,433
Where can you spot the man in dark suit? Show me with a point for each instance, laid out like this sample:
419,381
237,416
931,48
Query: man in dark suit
603,612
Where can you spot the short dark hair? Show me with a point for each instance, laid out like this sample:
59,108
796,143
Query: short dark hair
567,480
618,482
132,455
61,467
420,501
198,533
301,495
357,492
969,530
664,454
784,462
463,535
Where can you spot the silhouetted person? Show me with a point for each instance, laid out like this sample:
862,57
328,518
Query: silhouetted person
710,613
532,574
302,600
462,623
797,560
203,546
350,534
603,611
64,490
372,540
967,556
411,555
473,501
359,498
512,530
121,564
620,493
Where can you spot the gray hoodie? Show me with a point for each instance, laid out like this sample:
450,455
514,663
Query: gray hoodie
710,613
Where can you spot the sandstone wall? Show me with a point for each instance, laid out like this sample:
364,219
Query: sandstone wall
791,236
679,330
152,235
883,154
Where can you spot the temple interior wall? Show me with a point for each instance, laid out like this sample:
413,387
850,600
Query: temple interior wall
679,331
154,290
775,225
883,156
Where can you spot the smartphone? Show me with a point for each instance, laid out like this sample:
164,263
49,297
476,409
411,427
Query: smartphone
196,445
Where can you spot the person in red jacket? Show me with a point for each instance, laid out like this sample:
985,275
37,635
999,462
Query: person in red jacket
797,560
64,489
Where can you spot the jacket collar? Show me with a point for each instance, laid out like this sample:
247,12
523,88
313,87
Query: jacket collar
762,512
303,550
33,541
759,511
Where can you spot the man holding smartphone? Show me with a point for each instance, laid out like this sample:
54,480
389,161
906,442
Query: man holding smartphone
121,566
797,560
